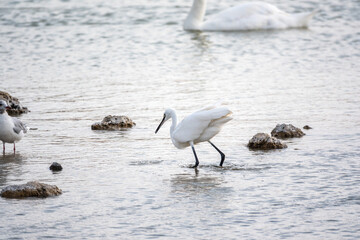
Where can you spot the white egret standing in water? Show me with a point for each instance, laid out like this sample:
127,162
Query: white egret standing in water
198,127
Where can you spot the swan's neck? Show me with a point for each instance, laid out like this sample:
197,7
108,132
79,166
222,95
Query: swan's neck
173,121
196,16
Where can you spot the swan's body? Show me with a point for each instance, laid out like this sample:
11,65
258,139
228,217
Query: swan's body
11,129
198,127
245,16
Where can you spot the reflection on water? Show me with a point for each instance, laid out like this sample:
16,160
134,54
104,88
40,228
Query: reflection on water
201,40
10,164
197,183
74,62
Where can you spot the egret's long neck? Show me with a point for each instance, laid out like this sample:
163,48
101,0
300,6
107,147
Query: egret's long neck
174,121
196,15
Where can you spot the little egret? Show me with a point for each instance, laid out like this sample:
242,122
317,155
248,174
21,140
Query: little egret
198,127
245,16
11,129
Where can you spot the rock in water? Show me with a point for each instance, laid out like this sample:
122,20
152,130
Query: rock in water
30,189
55,166
286,131
263,141
16,107
307,127
113,123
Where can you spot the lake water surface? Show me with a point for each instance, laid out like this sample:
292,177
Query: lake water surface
74,62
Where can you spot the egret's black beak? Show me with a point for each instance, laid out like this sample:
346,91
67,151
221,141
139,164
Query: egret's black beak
162,122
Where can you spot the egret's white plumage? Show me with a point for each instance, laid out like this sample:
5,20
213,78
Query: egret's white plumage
245,16
199,126
11,129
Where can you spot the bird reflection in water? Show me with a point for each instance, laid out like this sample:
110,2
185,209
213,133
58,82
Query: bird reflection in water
194,183
10,164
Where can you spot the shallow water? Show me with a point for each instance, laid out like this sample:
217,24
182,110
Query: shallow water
74,62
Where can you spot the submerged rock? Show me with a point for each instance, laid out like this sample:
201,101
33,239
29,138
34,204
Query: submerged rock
286,131
30,189
263,141
113,123
307,127
55,167
16,107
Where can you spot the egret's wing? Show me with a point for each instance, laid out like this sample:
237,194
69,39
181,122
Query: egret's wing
195,124
210,106
206,108
213,128
18,126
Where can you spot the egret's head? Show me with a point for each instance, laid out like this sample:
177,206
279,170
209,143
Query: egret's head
167,115
3,106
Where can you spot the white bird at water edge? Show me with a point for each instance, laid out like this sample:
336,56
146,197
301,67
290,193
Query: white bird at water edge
11,129
199,126
245,16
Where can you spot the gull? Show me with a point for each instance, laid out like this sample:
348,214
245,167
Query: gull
198,127
11,129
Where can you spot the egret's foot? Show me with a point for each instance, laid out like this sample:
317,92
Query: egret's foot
221,154
222,159
196,158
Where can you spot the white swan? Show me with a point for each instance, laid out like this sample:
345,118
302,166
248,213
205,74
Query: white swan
245,16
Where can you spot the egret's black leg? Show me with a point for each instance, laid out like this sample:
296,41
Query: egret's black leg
221,153
196,158
3,147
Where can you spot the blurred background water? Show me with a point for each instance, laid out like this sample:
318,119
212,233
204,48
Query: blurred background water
74,62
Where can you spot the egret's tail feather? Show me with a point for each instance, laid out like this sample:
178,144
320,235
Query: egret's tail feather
215,113
221,121
220,103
